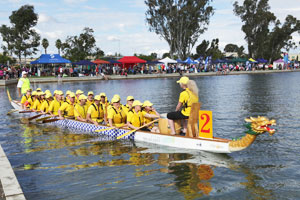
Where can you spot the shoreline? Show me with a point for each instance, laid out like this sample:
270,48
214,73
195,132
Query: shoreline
139,76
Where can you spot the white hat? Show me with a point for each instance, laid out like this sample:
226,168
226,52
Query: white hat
24,72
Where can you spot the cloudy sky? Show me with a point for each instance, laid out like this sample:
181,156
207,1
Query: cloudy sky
119,25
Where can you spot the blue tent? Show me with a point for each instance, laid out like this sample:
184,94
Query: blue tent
83,62
261,60
180,61
50,59
114,62
190,61
153,62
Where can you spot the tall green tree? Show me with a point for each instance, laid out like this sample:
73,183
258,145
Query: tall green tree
235,48
45,44
58,45
179,22
8,38
81,47
207,48
258,20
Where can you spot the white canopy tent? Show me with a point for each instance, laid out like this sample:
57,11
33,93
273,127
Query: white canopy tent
167,61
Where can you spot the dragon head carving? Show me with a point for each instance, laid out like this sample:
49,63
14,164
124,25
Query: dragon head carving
260,125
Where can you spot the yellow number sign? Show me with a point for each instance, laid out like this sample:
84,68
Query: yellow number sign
205,124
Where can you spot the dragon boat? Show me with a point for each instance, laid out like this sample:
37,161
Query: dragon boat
192,140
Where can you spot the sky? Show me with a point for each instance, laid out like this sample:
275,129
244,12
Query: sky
120,26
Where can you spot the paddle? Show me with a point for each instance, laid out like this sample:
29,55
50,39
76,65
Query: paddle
128,133
9,97
26,111
44,118
105,129
54,120
12,111
27,120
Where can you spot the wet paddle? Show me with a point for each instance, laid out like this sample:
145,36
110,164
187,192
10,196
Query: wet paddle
26,111
12,111
130,132
44,118
27,120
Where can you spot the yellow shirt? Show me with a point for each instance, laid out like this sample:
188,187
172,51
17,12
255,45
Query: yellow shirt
80,111
31,101
126,109
24,99
54,106
67,109
88,103
135,118
187,98
148,120
97,112
45,106
118,116
37,104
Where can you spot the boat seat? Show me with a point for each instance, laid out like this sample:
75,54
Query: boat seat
192,125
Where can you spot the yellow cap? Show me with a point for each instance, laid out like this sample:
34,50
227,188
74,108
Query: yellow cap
39,89
47,91
90,93
79,92
183,80
115,99
68,92
59,92
55,91
137,103
41,93
48,95
97,97
102,94
147,103
116,95
130,98
81,97
34,93
71,94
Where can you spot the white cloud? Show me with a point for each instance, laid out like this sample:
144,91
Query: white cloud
54,34
74,1
112,38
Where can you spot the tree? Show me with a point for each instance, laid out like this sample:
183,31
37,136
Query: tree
178,22
202,48
82,46
263,43
45,44
21,38
235,48
98,53
205,50
58,45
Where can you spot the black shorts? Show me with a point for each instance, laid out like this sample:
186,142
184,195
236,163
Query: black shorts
176,115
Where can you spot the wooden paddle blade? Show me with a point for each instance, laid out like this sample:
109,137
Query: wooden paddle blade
12,111
44,118
125,134
34,117
8,94
49,120
26,111
105,129
24,120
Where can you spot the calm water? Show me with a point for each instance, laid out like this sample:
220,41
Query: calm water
51,163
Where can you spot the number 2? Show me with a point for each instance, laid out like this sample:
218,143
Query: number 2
205,116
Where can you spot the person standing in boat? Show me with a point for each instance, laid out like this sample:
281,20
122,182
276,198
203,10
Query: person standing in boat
80,109
23,84
115,114
129,103
96,113
67,108
56,103
187,97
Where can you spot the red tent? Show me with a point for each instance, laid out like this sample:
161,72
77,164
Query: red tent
128,61
98,61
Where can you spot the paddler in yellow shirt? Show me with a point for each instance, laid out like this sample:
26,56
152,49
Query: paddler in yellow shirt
38,102
67,108
90,99
135,118
150,114
56,103
128,106
78,93
80,109
67,98
32,99
116,115
96,114
46,104
24,101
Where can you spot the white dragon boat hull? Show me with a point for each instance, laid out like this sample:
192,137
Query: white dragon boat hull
215,145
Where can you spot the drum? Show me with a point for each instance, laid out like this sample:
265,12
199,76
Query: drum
164,126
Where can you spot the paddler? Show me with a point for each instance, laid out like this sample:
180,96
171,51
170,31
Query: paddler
116,115
67,108
150,114
46,104
78,93
32,99
67,98
135,118
96,113
56,103
104,102
38,102
187,97
24,101
23,84
129,102
80,109
90,99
